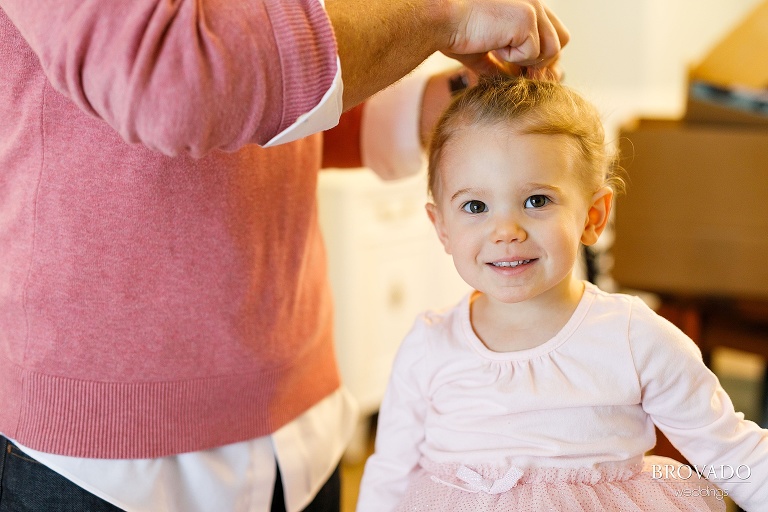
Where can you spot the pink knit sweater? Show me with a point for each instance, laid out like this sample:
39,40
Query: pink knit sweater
162,278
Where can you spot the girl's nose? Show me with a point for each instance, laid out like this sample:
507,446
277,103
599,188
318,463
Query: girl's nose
508,230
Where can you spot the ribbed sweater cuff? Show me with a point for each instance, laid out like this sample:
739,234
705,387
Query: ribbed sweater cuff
307,73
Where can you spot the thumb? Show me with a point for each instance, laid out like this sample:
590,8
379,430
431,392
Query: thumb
486,64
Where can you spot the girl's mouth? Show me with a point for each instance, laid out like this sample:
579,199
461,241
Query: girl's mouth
510,263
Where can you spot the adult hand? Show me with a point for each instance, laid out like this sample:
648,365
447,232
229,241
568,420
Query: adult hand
507,36
380,41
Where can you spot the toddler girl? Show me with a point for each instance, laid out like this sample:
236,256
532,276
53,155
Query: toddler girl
539,391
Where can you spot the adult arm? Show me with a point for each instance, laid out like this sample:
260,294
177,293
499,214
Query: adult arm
380,42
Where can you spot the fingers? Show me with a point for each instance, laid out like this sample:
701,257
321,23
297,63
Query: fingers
546,39
504,36
487,64
552,73
546,70
547,66
521,32
563,35
480,63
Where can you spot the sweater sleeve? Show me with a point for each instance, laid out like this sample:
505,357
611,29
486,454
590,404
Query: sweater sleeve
686,401
188,76
400,429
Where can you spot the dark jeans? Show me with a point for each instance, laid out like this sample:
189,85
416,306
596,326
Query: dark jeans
28,486
327,500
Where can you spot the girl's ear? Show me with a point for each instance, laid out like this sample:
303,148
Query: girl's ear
437,220
597,216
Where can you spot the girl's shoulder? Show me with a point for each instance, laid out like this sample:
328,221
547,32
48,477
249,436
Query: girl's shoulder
446,319
650,335
635,317
652,341
622,307
439,328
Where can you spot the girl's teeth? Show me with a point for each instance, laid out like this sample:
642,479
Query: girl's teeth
510,263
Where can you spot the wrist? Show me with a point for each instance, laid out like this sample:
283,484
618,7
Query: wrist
443,18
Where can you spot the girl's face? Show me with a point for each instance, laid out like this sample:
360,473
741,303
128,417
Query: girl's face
512,212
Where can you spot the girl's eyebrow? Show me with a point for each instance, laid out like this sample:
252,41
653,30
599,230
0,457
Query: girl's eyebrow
527,188
543,186
460,192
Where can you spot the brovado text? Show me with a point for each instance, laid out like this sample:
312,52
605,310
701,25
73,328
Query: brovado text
710,472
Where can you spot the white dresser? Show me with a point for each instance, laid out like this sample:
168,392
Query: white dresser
386,266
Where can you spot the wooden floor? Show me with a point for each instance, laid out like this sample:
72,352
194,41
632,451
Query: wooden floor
350,482
353,463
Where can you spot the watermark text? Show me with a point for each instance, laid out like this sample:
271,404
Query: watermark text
712,473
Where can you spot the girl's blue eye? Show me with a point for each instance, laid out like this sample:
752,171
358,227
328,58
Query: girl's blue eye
537,201
474,207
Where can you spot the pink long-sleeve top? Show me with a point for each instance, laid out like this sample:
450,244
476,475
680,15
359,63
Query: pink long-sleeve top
588,396
162,277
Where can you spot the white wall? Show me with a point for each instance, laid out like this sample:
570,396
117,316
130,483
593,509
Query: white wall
630,57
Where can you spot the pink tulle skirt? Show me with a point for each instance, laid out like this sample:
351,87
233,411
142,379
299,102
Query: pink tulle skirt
640,487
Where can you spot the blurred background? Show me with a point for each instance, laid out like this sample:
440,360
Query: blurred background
634,61
631,59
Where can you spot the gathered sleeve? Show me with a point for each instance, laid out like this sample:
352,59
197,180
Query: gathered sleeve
382,134
186,76
390,140
400,429
688,404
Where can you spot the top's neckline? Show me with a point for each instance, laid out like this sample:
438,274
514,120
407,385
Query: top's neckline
548,346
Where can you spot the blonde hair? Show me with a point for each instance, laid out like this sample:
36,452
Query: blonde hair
533,107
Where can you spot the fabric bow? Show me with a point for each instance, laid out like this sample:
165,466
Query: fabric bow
476,483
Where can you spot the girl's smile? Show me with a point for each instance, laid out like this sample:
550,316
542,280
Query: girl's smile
508,266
